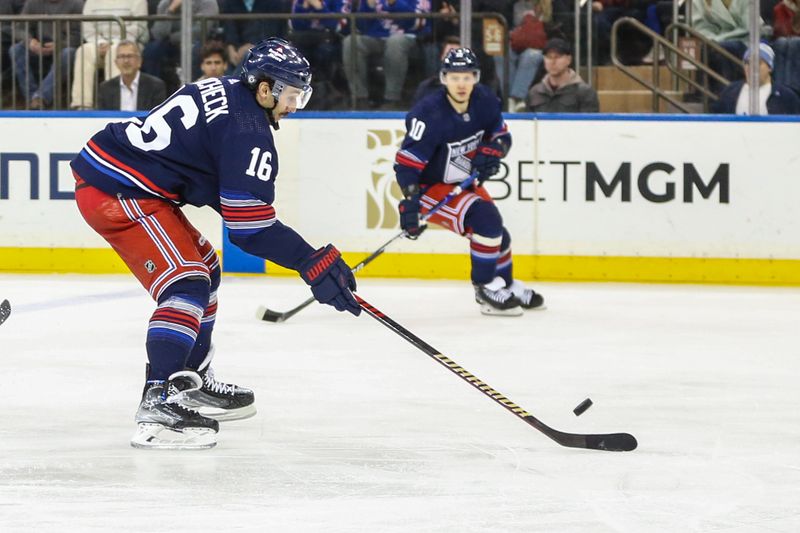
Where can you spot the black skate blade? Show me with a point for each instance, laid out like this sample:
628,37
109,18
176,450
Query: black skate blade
5,311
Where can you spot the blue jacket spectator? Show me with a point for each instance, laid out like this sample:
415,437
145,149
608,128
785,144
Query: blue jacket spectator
774,98
781,100
382,28
316,6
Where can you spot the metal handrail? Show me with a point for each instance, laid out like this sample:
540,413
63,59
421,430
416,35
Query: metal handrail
653,85
589,43
703,65
57,22
658,42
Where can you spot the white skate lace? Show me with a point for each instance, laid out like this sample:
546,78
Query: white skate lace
217,386
169,399
523,294
526,296
174,395
500,295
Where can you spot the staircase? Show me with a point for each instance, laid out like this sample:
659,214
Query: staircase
620,94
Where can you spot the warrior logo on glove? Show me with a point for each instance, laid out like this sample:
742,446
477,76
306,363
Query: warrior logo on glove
330,279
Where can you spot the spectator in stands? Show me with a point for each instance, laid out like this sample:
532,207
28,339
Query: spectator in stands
10,7
726,23
432,83
773,98
562,90
787,19
440,31
213,60
527,38
633,46
787,44
658,17
100,45
393,40
241,34
152,7
38,46
161,55
132,90
489,75
767,10
320,43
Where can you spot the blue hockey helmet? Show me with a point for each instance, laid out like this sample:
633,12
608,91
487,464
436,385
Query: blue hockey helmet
460,60
280,61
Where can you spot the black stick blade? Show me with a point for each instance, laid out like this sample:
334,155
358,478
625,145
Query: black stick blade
269,315
609,442
5,311
613,442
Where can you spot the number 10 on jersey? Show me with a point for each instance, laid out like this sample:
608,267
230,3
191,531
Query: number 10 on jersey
260,166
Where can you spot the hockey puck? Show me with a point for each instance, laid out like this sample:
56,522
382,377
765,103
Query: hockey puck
583,406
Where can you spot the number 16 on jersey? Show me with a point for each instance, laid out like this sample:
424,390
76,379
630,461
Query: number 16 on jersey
260,164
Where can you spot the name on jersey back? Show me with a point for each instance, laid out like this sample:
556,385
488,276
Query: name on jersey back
215,103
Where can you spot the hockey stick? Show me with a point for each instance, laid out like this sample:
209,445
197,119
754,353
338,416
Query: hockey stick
274,316
613,442
5,311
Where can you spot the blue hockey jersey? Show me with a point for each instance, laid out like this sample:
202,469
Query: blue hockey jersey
440,143
210,143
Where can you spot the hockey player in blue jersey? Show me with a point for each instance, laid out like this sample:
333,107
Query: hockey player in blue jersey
209,144
450,133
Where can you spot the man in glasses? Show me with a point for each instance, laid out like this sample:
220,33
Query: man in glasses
132,90
209,144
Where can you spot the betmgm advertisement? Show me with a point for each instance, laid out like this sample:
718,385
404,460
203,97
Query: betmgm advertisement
636,200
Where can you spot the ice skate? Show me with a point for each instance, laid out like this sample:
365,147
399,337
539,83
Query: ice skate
218,400
528,298
163,423
496,300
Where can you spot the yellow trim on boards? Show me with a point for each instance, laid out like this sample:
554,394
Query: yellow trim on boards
456,266
61,260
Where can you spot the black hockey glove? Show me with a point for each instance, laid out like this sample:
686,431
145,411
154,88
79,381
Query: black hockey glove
487,160
331,279
409,212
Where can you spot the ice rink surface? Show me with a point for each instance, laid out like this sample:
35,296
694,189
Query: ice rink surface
359,431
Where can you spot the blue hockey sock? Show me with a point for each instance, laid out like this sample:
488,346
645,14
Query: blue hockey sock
203,343
484,252
174,326
504,262
486,225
